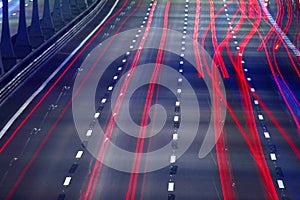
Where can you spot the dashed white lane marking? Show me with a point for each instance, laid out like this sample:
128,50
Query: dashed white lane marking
79,154
67,181
175,136
267,135
176,118
172,159
89,132
96,115
280,184
103,100
110,88
171,186
273,156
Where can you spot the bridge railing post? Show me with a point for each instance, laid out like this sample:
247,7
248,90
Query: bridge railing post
35,32
47,23
22,45
7,51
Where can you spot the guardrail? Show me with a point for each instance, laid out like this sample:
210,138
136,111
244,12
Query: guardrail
278,29
13,78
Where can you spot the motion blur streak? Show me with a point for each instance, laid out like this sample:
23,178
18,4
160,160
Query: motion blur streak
145,116
98,165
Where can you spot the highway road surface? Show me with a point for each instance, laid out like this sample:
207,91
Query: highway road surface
163,99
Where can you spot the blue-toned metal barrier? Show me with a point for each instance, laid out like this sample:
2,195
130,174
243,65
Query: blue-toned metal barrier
11,79
29,38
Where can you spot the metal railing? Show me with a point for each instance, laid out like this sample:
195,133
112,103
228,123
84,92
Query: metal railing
13,78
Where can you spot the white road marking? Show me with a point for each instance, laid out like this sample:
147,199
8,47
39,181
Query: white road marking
171,186
89,132
267,135
176,118
280,184
172,159
67,181
79,154
96,115
273,156
175,136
